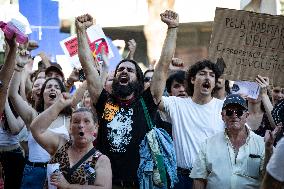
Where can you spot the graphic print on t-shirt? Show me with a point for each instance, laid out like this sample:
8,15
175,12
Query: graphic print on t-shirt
110,111
119,135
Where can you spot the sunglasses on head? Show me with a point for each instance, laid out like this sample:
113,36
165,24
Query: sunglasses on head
238,112
147,79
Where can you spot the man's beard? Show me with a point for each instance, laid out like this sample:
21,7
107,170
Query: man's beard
123,91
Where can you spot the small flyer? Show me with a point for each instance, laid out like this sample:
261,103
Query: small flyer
246,88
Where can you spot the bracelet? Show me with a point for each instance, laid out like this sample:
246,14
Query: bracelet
172,27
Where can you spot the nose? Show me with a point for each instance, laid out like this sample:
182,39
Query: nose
182,89
81,125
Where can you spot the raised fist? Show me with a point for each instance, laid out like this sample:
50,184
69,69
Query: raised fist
170,18
83,22
64,99
177,62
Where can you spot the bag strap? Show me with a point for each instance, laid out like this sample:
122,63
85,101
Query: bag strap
146,113
158,159
83,159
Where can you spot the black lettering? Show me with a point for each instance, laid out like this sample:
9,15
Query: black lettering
238,61
256,64
227,21
217,47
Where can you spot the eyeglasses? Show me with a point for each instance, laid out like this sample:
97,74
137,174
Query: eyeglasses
147,79
238,112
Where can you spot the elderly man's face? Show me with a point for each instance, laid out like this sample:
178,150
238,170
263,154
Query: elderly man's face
234,117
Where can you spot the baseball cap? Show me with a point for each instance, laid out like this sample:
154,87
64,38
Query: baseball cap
55,67
235,99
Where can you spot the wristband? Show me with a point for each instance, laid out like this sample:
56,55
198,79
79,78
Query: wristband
173,27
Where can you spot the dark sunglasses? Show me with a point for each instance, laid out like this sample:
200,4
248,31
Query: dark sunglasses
147,79
238,112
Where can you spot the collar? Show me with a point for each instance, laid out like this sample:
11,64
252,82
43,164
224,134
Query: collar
248,130
124,103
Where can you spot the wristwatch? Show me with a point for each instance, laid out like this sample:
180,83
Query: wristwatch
1,84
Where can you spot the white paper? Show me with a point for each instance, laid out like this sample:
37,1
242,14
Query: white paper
94,33
37,59
50,169
246,88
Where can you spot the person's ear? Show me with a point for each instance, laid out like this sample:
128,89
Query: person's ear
246,114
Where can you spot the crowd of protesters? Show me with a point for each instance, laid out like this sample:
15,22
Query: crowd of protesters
110,132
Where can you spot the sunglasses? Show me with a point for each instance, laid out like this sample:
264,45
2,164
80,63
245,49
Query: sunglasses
238,112
147,79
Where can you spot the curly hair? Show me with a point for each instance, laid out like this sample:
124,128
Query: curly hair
139,75
200,65
40,106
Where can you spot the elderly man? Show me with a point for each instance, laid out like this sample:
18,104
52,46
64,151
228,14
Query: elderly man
233,158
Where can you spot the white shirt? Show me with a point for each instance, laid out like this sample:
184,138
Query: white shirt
191,124
217,163
275,166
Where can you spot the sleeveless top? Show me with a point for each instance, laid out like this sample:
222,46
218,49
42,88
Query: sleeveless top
79,176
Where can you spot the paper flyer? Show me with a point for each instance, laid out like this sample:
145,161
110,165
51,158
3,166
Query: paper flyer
246,88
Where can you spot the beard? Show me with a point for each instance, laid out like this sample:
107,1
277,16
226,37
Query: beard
123,91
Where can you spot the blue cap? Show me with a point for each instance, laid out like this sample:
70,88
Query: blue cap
235,99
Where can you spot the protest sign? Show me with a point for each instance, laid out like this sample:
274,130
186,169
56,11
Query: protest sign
250,43
246,88
97,42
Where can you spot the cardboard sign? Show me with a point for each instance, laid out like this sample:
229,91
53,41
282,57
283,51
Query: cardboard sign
250,43
246,88
97,41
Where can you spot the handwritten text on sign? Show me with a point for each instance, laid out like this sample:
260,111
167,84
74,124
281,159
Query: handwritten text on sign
251,44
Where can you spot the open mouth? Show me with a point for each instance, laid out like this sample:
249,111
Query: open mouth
123,79
206,85
52,95
181,95
81,134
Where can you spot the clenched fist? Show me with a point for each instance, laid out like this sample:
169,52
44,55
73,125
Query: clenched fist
83,22
170,18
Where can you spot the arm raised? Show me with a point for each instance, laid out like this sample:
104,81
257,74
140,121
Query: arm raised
49,140
86,58
7,70
161,70
26,112
14,124
263,83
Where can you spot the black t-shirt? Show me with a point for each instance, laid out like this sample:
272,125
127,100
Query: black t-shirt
122,128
